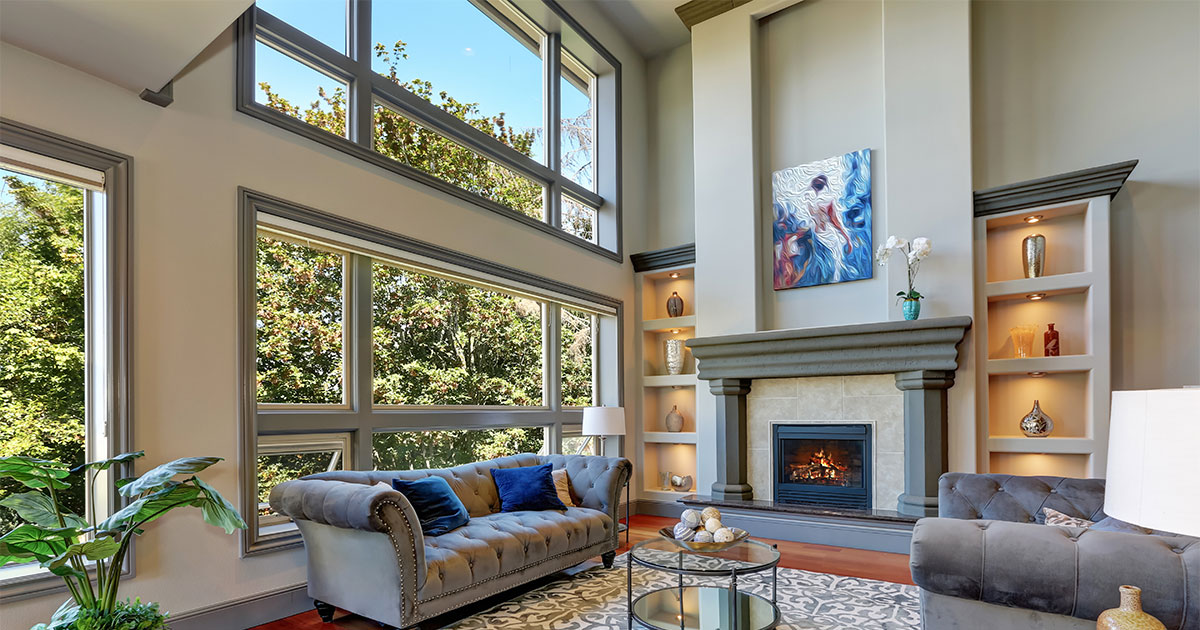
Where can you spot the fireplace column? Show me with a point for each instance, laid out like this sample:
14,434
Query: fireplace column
925,441
731,439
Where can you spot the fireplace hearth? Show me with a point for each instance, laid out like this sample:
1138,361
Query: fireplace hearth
823,464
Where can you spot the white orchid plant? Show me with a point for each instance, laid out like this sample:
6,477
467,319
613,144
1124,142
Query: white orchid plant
913,252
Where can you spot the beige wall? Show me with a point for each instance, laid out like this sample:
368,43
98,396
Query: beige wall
671,195
1059,86
188,161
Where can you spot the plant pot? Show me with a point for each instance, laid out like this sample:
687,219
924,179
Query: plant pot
912,309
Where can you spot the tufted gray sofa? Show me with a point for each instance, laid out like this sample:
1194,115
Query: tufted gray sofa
988,561
366,553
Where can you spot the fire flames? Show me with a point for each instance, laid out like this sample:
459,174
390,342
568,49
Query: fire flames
821,468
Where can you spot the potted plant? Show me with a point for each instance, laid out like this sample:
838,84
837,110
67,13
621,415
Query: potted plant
71,546
914,253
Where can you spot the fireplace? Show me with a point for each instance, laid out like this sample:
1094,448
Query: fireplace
823,464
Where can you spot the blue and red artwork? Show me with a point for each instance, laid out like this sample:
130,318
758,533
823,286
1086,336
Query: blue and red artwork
822,224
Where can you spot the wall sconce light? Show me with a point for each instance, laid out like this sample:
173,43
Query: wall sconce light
674,275
1033,297
1033,219
1036,374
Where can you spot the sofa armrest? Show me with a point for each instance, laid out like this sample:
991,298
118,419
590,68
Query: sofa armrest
1059,570
357,506
596,481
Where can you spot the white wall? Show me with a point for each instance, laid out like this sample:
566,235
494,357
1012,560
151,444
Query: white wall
1059,86
188,161
821,63
671,219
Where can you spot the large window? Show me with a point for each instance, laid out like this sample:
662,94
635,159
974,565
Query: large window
62,315
368,350
496,101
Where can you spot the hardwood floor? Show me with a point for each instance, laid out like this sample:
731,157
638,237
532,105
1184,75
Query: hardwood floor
875,565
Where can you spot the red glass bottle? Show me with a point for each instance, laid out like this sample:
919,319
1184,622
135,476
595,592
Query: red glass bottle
1051,337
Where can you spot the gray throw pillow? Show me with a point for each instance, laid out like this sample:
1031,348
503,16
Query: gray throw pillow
1110,524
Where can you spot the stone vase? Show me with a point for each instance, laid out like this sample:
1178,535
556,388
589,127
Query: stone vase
674,420
674,355
1037,423
674,305
1033,251
1129,616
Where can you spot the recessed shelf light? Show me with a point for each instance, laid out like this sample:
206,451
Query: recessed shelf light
1036,374
1033,219
674,331
674,275
1033,297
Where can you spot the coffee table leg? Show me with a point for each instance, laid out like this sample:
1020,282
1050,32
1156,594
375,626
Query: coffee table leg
734,595
629,586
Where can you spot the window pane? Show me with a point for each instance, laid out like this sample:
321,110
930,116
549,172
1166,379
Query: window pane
324,20
577,371
578,219
452,55
299,292
578,123
573,440
418,450
289,86
42,329
439,342
277,464
405,141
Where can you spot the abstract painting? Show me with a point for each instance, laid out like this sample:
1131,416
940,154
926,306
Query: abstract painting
822,224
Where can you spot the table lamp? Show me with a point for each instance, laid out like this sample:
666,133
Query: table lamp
606,421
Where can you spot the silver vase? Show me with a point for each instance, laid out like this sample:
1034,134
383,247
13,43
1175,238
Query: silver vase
1034,250
1037,423
675,356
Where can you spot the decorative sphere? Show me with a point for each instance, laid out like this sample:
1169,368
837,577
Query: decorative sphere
723,535
710,512
691,518
712,525
703,537
683,532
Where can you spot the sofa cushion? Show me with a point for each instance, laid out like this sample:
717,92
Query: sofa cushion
493,545
436,505
526,488
562,486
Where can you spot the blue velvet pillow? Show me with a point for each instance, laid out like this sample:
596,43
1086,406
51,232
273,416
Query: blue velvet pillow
526,488
436,505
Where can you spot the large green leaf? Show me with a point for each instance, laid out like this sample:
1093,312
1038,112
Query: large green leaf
151,507
34,473
217,511
105,464
37,508
158,477
97,549
39,543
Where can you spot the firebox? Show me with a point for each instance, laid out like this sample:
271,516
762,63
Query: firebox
823,464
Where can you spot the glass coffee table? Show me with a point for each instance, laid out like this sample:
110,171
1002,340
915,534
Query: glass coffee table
696,607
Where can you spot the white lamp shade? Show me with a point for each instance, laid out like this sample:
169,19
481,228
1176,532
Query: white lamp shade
1153,475
603,421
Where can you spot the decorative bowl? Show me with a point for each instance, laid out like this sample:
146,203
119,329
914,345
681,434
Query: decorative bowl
703,547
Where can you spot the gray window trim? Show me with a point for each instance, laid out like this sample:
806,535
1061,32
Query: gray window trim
362,417
117,169
367,86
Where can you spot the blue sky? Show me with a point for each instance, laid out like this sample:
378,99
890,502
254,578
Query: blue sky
449,42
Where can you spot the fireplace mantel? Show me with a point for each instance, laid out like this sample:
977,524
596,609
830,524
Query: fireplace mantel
922,354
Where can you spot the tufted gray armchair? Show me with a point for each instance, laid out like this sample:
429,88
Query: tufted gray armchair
366,552
988,561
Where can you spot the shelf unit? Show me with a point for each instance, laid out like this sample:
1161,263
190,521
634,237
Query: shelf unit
663,451
1074,388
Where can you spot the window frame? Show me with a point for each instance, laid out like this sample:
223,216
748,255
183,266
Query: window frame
296,443
113,368
363,417
366,87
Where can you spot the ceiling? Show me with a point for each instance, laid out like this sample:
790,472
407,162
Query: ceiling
651,26
137,44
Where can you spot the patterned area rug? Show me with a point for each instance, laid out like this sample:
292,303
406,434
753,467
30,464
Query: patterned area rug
595,599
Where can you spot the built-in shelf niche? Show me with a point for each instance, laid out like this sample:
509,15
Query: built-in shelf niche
657,402
1065,397
654,351
1067,311
658,286
678,459
1065,228
1053,464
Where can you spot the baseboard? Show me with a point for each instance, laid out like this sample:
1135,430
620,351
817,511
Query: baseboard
246,612
670,509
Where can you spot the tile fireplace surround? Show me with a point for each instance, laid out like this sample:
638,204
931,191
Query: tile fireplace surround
921,357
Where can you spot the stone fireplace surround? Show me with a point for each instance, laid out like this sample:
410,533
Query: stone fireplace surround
921,355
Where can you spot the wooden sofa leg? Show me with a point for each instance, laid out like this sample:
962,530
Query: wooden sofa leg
324,610
607,559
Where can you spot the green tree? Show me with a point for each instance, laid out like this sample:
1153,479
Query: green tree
41,327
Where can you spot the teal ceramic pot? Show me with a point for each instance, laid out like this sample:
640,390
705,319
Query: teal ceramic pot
912,309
